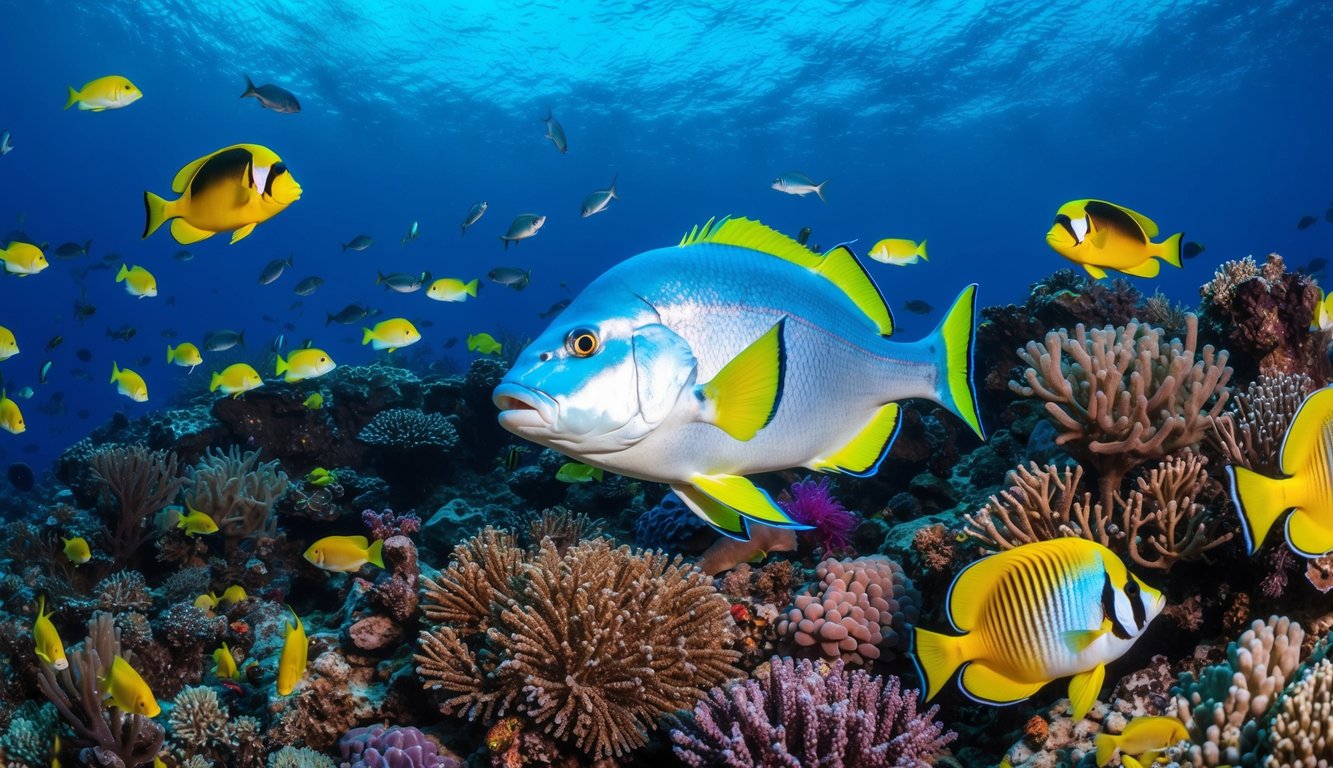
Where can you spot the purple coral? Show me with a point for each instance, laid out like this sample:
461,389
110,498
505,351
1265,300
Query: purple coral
392,747
810,502
384,524
811,714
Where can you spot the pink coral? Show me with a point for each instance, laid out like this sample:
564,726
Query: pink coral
810,502
858,611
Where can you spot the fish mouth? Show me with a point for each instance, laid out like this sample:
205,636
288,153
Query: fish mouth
523,408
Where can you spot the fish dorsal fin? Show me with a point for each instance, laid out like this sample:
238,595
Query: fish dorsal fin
972,588
1106,215
1310,432
1149,226
183,177
839,266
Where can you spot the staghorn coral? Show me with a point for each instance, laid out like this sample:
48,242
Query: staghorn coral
1250,432
142,482
592,646
1120,397
236,491
1042,503
858,611
1226,278
806,714
811,502
104,736
406,428
1163,522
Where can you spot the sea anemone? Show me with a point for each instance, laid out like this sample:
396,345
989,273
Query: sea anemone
810,502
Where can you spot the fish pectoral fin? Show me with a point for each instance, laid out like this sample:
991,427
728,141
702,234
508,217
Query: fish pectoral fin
743,397
744,497
1097,272
185,234
1309,535
244,232
722,518
1149,268
990,686
862,455
1083,690
1098,239
1078,640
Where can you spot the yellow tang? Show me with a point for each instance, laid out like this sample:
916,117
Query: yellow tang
1144,738
206,602
1034,614
77,550
234,594
391,334
9,346
576,472
230,190
235,380
138,281
1101,236
451,289
1306,463
11,418
344,554
129,383
128,691
291,663
225,664
899,252
47,640
304,364
194,522
185,354
110,92
484,343
314,402
1323,313
23,259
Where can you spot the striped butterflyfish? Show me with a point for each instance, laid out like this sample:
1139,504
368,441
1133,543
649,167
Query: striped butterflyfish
1033,614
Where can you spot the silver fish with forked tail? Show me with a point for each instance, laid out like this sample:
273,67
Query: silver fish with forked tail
738,351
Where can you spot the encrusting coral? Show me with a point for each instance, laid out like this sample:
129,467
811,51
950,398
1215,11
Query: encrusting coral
806,713
1120,397
592,646
858,611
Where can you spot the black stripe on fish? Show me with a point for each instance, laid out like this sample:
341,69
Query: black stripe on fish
277,170
1109,216
1065,222
222,168
1108,609
1135,596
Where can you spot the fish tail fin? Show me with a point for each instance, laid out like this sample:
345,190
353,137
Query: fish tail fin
379,277
954,341
73,97
1170,251
343,246
123,273
87,246
249,87
375,555
1106,747
1259,500
115,372
215,382
921,251
471,288
614,196
367,336
156,210
328,320
936,658
819,191
171,354
282,366
505,240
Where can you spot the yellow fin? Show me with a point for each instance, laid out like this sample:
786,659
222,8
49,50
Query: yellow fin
921,251
971,589
936,657
1307,433
156,210
73,97
955,342
1097,272
1148,268
1083,690
183,176
242,233
745,233
1308,534
743,496
1106,746
724,519
841,267
992,687
374,554
863,454
1169,249
1078,640
743,397
186,234
1149,226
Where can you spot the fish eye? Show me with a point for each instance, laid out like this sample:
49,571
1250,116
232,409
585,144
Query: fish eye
279,168
1132,588
582,342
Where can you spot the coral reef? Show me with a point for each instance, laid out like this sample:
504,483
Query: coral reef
1250,432
392,747
237,491
858,611
142,482
671,526
807,713
1262,314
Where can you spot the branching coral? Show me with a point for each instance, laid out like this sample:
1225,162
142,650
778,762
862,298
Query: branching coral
1042,503
142,482
1162,520
1250,432
105,736
808,714
859,610
236,491
592,646
1122,396
405,428
1302,731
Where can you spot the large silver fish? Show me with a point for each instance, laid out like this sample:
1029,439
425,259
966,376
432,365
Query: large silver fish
737,352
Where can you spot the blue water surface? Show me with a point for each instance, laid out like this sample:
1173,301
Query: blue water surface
967,123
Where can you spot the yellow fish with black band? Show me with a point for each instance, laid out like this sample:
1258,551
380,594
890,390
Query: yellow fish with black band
231,190
1033,614
1099,236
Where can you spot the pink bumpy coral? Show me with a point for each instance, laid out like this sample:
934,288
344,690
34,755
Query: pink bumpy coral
859,610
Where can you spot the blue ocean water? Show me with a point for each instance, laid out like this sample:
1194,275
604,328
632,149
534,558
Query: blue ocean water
966,123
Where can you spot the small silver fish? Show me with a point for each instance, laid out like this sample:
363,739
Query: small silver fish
599,200
26,393
73,250
223,339
402,282
474,215
278,344
796,183
183,256
308,286
358,243
556,133
274,270
412,233
272,97
5,145
523,226
44,373
514,277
